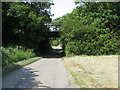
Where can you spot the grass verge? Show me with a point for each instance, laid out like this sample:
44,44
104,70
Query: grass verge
93,71
17,65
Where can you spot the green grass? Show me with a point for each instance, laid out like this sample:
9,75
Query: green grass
17,65
13,54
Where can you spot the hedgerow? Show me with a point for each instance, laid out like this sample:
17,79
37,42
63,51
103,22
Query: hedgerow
91,29
12,54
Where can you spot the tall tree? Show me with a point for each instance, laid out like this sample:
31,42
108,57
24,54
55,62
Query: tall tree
91,29
25,23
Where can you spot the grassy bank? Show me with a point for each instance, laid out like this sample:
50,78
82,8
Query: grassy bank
13,54
93,71
17,65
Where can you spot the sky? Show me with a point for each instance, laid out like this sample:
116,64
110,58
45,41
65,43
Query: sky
62,7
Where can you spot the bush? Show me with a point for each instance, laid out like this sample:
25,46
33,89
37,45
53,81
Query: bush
15,54
91,29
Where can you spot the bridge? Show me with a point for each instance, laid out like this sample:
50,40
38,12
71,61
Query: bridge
54,34
54,31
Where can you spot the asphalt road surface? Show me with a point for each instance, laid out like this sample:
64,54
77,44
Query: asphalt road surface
48,72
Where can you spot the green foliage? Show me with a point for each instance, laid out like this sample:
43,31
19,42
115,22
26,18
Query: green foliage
54,42
17,65
91,29
25,23
11,55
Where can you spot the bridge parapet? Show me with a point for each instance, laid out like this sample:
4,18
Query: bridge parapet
54,34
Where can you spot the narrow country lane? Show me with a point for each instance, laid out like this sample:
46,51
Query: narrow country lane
48,72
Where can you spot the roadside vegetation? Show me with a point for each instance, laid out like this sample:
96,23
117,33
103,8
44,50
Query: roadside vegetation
11,55
93,71
91,29
15,57
14,66
24,33
25,24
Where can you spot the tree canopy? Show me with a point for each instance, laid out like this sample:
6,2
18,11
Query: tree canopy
25,23
91,29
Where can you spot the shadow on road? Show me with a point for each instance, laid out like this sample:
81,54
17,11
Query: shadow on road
22,78
55,53
25,77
